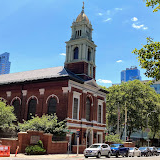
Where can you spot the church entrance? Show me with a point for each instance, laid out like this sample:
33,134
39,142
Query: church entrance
89,137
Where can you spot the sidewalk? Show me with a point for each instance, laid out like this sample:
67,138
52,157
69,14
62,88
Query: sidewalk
49,156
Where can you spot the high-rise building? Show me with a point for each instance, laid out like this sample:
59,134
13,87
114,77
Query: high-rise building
4,63
130,74
155,85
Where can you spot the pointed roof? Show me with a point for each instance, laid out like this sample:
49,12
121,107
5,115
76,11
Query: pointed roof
82,16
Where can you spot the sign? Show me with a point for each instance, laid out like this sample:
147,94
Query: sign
4,151
78,132
34,139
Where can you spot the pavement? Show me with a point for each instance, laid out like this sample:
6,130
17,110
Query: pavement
71,157
44,157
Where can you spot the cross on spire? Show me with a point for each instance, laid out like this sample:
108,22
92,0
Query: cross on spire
83,6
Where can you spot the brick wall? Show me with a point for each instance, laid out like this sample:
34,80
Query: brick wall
13,143
54,87
23,141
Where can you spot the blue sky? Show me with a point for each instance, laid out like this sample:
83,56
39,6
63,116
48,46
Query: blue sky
34,32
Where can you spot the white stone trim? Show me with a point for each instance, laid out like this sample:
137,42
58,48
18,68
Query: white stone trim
52,95
24,92
15,98
8,93
91,132
100,103
73,119
76,95
83,120
41,91
84,91
32,97
85,126
66,89
88,88
100,133
91,98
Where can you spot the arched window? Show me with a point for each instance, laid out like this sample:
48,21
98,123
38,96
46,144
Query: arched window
89,55
16,105
31,108
52,103
88,107
76,53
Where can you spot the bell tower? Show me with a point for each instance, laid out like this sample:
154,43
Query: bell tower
80,49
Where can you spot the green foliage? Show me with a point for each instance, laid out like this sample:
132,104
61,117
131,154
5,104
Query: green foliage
113,138
154,123
46,123
7,116
149,58
139,100
154,4
35,149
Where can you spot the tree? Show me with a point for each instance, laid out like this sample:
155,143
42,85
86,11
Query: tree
113,138
149,55
46,123
139,100
153,3
149,58
7,116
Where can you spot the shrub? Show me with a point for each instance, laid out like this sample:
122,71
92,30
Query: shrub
46,123
113,138
35,149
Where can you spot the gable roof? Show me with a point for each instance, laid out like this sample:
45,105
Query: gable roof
45,73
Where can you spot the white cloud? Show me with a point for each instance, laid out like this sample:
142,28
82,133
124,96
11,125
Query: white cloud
119,61
108,19
100,14
108,12
118,9
63,54
145,28
134,19
104,81
137,26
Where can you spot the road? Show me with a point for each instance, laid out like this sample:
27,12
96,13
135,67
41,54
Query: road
72,157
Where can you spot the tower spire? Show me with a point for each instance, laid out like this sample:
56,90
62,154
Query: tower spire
83,7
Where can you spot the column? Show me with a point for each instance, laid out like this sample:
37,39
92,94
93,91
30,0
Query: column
80,52
84,52
67,54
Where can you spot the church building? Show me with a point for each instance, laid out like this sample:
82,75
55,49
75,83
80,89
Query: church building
69,91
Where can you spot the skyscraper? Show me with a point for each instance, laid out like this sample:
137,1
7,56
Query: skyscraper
130,74
4,63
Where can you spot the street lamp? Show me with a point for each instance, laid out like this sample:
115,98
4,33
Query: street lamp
148,115
147,123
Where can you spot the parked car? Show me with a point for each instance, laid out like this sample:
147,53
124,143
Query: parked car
134,152
119,149
145,151
158,150
98,150
154,151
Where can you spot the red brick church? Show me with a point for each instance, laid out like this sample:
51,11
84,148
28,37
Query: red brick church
70,91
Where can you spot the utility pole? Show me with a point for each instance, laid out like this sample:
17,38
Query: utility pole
125,122
118,118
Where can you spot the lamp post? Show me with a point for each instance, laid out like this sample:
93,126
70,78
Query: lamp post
148,115
147,124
